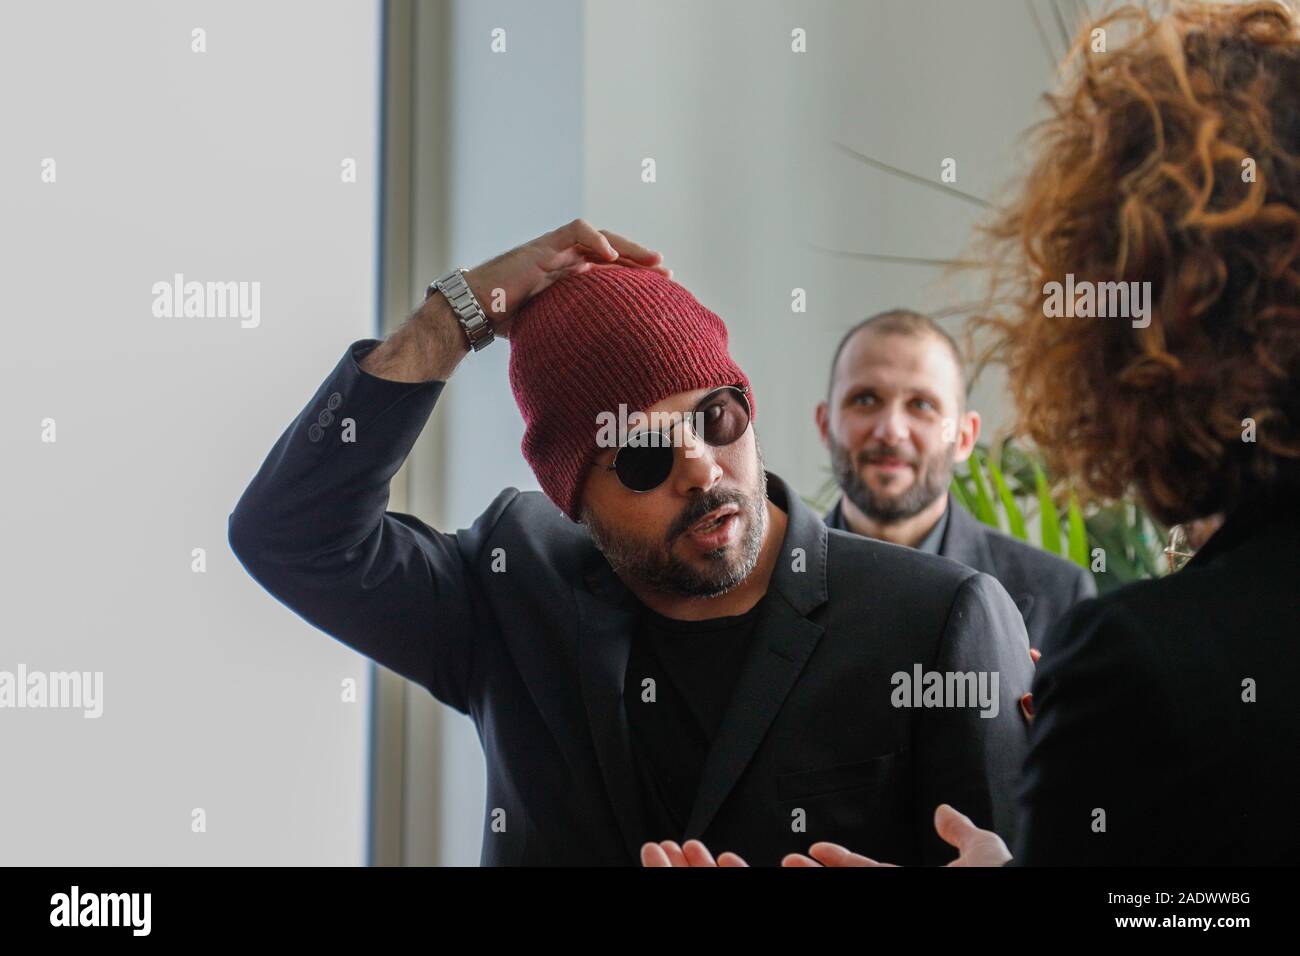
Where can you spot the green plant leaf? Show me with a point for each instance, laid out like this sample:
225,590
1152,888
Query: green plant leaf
984,509
1015,518
1051,524
959,492
1078,534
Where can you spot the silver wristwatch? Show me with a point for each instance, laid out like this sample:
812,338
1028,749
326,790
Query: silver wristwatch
469,313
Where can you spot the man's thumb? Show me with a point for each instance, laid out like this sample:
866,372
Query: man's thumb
954,827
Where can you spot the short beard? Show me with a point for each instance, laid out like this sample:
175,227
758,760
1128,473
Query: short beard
932,480
653,565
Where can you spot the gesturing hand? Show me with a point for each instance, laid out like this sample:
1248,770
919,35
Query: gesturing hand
975,847
526,270
694,853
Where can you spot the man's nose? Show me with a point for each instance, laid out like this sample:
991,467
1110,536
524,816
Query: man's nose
696,469
890,426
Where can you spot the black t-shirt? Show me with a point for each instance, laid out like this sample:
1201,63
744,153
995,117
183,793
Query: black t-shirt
694,666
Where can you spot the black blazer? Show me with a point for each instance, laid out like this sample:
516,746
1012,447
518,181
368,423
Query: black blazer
1140,712
520,623
1043,585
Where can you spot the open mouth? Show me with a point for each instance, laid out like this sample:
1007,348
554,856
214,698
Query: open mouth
715,530
713,520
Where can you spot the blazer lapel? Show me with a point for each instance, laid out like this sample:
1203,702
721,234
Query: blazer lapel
607,619
964,540
784,640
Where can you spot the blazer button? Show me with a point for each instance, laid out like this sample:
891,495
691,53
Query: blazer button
325,418
334,401
315,432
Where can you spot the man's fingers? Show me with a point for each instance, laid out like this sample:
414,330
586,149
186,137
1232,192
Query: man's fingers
581,255
955,827
731,859
1035,655
633,264
603,246
829,854
582,233
652,854
975,847
632,250
1027,706
674,853
832,854
697,854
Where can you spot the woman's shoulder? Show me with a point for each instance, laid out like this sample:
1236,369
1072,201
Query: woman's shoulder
1198,618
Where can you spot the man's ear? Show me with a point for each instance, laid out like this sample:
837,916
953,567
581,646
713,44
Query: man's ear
823,418
968,433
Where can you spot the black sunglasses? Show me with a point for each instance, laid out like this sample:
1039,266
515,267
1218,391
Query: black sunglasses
645,461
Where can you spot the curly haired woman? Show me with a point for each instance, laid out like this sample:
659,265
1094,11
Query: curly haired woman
1167,725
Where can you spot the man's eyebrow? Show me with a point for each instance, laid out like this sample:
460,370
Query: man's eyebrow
928,393
853,391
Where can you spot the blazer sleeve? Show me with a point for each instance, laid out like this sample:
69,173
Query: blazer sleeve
963,757
312,529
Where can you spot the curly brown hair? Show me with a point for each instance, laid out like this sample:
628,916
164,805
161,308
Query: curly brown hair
1171,158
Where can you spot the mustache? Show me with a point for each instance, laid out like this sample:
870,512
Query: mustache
869,456
701,506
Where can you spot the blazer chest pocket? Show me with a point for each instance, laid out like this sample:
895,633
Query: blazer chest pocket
849,776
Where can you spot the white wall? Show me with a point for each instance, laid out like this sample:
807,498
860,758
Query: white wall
223,165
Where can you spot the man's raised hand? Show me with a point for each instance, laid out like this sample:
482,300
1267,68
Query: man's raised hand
504,283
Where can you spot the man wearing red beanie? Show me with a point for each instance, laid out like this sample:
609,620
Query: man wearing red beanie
667,646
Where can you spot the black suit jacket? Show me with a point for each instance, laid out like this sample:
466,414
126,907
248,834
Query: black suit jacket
520,623
1140,712
1043,585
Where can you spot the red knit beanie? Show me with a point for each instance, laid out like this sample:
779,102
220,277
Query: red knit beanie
613,334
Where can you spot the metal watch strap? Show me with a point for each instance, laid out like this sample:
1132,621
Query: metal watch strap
472,318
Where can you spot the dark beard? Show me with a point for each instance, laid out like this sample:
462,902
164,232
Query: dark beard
932,481
657,568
